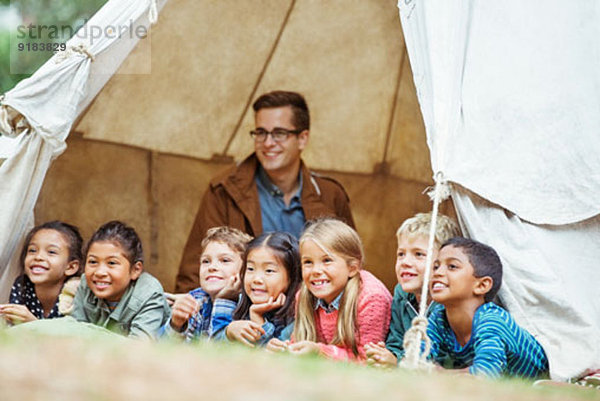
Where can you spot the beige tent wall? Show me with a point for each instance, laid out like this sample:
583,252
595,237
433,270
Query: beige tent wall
147,146
158,194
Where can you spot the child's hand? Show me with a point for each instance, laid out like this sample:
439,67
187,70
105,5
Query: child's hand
232,289
183,308
258,310
16,314
276,345
245,331
304,347
379,356
171,298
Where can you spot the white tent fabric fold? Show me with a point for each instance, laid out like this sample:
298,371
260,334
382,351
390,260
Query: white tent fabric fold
509,95
550,279
50,101
512,88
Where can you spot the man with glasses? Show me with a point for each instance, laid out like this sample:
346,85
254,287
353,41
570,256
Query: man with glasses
272,189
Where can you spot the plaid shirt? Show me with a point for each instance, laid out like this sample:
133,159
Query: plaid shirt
210,319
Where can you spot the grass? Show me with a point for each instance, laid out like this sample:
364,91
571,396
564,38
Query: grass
101,367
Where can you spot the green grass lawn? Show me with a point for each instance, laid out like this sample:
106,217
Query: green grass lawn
98,366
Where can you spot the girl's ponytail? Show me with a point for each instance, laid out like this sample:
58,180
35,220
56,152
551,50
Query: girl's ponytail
305,324
346,324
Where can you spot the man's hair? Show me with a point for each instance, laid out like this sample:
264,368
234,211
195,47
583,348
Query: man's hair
232,237
300,114
419,224
484,259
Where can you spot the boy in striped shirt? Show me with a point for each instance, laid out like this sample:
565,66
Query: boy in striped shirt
477,334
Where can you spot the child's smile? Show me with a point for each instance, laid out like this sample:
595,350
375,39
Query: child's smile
325,274
47,257
453,277
108,272
218,263
265,276
410,262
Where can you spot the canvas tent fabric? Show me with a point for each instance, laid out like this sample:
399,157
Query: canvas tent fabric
41,111
519,140
207,66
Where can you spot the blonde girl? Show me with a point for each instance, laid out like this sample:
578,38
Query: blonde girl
340,306
51,255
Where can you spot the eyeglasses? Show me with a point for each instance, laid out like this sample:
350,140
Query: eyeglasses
278,134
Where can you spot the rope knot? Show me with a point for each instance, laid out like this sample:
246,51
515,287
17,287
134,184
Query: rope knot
414,338
441,190
73,49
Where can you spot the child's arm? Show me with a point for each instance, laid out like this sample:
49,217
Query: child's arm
490,355
271,330
395,338
379,356
184,307
78,312
16,314
257,311
434,332
148,321
221,317
245,331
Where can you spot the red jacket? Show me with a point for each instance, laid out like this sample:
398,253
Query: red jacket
232,200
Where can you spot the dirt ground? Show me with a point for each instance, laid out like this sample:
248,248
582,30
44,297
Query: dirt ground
42,367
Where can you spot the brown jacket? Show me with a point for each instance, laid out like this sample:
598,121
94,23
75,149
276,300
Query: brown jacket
232,200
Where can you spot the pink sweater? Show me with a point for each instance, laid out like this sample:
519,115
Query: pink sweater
372,322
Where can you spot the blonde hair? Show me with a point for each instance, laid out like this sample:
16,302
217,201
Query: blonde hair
419,224
232,237
336,237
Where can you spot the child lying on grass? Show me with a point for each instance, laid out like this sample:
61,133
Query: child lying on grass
476,333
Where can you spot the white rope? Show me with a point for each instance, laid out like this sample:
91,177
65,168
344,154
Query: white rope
153,12
71,50
417,334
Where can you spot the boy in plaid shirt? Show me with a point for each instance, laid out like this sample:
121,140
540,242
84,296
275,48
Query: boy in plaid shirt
207,310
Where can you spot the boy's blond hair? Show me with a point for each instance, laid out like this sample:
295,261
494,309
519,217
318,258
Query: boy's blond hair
232,237
446,228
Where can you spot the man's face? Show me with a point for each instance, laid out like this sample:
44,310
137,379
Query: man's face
278,157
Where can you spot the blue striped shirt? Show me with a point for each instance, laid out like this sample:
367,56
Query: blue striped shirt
498,346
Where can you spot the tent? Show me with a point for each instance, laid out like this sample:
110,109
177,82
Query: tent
151,119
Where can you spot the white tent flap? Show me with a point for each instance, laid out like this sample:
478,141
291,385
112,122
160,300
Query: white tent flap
510,96
523,86
50,101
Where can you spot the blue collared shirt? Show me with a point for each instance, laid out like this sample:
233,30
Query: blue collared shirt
333,306
276,216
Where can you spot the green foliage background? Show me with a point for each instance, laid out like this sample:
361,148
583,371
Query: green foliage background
60,13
